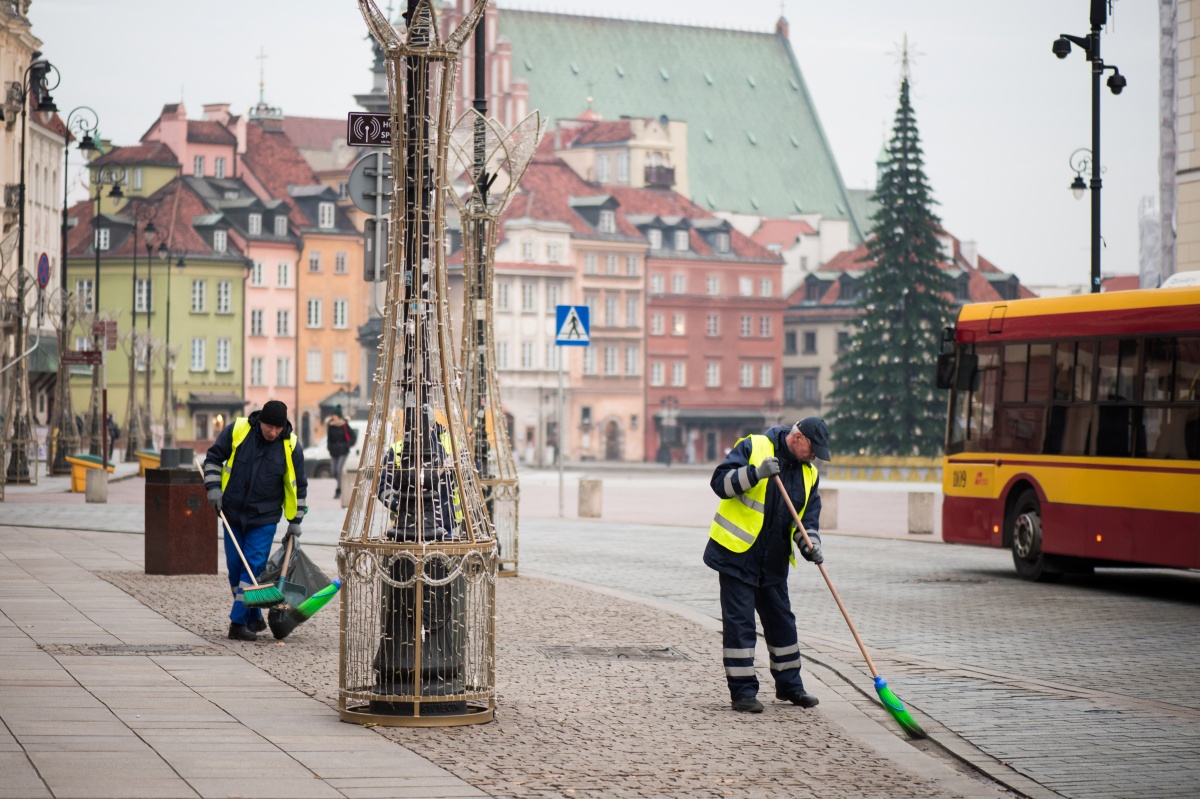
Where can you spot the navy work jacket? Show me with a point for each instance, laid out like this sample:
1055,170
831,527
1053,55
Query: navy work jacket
254,495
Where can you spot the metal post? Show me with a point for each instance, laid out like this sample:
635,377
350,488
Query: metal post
562,430
1097,72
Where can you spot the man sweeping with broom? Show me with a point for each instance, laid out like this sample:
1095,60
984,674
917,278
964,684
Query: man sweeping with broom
253,472
750,545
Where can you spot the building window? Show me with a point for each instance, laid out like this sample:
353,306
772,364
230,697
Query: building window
285,275
657,284
655,237
764,375
339,263
528,296
677,324
314,261
632,361
314,312
554,253
198,166
223,349
610,360
257,274
712,285
589,361
527,356
765,287
256,371
501,354
810,388
843,341
224,296
632,265
713,326
622,167
502,293
551,355
199,296
197,355
256,322
325,215
681,240
137,177
810,342
590,301
103,236
656,373
656,324
589,263
632,318
610,311
678,284
83,290
745,286
679,373
341,367
527,251
283,323
712,374
341,314
220,241
281,225
313,367
144,298
746,325
764,326
789,390
218,167
283,371
610,264
608,222
812,291
603,169
789,343
721,242
747,376
552,297
254,224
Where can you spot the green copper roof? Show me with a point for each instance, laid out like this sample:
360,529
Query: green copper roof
755,144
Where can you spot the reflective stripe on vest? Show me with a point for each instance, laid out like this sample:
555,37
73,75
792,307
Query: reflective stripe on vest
241,429
739,519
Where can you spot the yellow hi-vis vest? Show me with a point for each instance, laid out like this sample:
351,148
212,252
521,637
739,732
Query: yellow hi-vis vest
739,519
241,428
448,448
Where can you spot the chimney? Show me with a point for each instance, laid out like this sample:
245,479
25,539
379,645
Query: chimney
970,253
781,27
217,112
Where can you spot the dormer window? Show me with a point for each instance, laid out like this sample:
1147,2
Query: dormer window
721,242
812,292
603,169
681,240
255,224
608,222
280,225
325,215
655,236
102,238
220,241
622,167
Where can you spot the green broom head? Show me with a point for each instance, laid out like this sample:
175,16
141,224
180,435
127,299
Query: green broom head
308,607
262,597
896,708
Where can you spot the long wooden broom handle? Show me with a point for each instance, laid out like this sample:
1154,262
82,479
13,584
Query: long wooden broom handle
229,529
808,542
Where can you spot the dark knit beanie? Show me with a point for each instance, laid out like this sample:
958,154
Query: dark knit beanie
273,413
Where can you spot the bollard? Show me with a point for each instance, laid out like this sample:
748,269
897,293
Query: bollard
829,508
589,498
920,513
96,487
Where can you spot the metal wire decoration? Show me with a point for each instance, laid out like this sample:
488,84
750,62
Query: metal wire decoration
18,436
65,434
417,553
487,154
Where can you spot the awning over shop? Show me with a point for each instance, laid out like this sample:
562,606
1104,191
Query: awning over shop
214,400
45,357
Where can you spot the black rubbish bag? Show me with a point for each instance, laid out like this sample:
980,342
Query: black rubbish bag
302,580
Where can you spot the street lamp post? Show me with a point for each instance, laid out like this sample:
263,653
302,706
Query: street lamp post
84,122
1090,45
148,415
168,412
134,436
98,428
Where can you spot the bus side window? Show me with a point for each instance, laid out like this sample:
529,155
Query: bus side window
1156,375
1016,364
1187,369
1118,360
983,399
1039,373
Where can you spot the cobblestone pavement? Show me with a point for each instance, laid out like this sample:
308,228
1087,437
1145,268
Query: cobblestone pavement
1086,686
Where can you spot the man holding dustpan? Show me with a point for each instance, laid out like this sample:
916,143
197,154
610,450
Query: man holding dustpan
254,473
750,545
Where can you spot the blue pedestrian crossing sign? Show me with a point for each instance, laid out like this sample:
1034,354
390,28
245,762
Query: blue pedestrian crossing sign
572,324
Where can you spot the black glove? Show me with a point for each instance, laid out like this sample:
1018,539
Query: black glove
812,554
293,531
767,469
214,499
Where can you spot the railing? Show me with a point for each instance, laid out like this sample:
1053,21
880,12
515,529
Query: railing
660,176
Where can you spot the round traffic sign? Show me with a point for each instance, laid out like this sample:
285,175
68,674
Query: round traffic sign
43,271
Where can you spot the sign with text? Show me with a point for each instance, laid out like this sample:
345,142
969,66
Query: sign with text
368,130
81,357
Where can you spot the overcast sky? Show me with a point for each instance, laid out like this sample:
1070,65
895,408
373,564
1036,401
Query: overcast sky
999,115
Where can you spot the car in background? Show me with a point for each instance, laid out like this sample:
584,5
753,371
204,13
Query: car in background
316,457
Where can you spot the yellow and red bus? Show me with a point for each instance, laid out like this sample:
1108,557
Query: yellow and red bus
1073,435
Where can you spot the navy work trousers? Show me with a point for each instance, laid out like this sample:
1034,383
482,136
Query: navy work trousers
256,545
739,601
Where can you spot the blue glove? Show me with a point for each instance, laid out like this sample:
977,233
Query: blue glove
812,554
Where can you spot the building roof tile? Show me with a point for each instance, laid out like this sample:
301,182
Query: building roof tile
151,154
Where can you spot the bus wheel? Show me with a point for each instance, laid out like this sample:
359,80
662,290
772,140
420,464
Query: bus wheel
1025,530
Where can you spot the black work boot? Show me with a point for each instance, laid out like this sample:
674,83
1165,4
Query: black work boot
799,697
747,704
240,632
